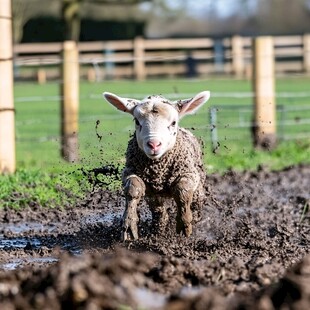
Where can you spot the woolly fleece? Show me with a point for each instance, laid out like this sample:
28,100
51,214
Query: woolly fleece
159,175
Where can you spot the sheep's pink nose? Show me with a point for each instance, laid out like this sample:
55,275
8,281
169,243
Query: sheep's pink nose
154,145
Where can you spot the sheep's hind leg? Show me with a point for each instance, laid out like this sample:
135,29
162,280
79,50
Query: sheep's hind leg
183,196
160,216
134,190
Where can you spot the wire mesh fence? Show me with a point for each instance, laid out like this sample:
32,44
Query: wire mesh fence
235,123
103,133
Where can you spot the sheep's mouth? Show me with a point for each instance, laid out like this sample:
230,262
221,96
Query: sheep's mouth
154,155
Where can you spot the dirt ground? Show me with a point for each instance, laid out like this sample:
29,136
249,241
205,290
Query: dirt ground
251,250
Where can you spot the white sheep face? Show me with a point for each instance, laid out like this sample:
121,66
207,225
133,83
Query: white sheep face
156,123
156,119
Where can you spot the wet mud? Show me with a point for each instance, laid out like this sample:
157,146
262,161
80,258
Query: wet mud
251,250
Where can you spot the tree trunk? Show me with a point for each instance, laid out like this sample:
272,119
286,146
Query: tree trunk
71,17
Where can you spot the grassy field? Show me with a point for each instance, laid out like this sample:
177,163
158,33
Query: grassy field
43,178
38,122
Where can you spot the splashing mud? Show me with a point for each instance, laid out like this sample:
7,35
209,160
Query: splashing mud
249,251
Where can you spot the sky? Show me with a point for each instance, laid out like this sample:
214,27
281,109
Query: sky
223,8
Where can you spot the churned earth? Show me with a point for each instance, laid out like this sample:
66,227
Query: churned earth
251,250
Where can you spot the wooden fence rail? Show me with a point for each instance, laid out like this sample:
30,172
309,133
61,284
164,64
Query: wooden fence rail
142,58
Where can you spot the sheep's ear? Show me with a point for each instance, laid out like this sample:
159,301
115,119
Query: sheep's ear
189,106
123,104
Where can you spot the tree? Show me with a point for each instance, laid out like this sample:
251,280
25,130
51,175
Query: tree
23,10
71,13
71,17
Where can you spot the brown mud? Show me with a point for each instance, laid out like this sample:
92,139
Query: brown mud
251,250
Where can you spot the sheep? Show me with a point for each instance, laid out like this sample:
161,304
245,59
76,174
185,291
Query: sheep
163,161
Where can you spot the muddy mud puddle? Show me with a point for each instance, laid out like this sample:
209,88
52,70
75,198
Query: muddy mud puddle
35,236
250,250
77,232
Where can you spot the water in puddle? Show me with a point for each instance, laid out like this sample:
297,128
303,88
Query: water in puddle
19,228
18,262
14,236
16,240
106,218
19,242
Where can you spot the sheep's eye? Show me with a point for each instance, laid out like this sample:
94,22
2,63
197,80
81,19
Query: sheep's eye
173,123
137,122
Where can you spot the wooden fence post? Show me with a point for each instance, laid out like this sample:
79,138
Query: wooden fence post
70,102
264,127
139,64
237,56
7,116
41,76
306,41
91,75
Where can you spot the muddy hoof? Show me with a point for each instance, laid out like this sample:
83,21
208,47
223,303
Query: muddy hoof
185,229
130,232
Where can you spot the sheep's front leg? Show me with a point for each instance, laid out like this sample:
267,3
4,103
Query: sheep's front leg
134,190
183,196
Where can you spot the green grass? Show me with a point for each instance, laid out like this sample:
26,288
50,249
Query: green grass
44,178
38,123
38,188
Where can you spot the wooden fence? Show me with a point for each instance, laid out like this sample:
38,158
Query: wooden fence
142,58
